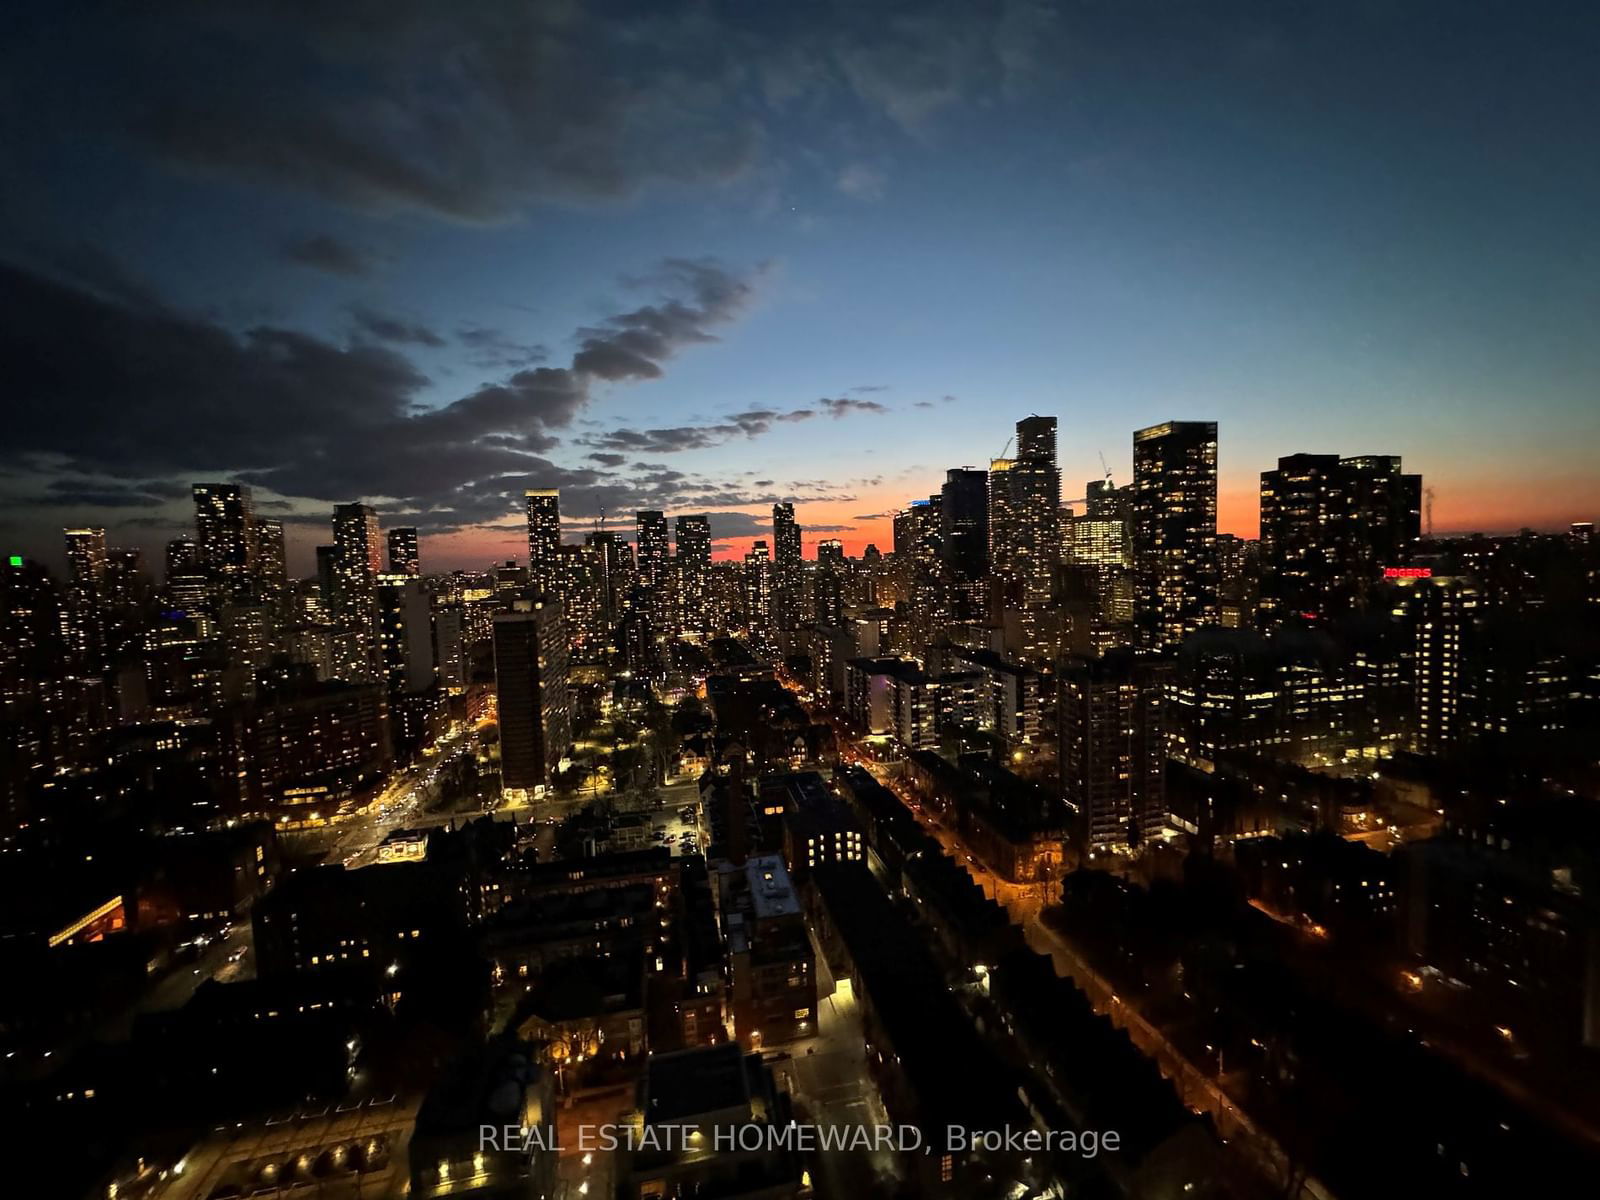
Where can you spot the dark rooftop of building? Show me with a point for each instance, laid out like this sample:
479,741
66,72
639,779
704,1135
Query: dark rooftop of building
690,1083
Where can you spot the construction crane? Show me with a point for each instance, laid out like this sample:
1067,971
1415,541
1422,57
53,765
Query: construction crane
1104,467
1007,446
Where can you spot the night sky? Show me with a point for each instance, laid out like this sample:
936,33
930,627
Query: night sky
702,257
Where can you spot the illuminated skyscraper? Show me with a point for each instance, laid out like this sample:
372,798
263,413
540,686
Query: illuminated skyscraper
86,559
272,569
530,674
183,556
917,533
583,609
786,558
1025,514
1025,537
830,550
404,556
610,566
127,581
1329,526
224,522
188,590
86,597
693,565
1113,749
1174,531
357,561
544,539
30,648
1101,544
1441,610
758,586
653,560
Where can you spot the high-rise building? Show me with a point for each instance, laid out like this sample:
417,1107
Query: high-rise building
1105,501
328,580
357,562
1036,439
786,568
758,586
1238,581
405,558
127,581
544,539
830,550
30,639
1441,610
653,560
964,523
827,594
1329,526
188,590
450,649
405,632
1174,531
1025,514
86,559
609,569
530,673
183,556
86,597
693,564
1113,749
272,567
224,522
1100,543
917,533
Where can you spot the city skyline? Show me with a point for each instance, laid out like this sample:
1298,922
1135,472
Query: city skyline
815,279
665,599
507,541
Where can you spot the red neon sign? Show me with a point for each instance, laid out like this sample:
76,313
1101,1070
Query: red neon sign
1408,572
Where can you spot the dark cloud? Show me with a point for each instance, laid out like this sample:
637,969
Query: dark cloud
878,516
323,252
109,390
65,494
738,524
474,111
633,345
81,265
843,406
392,329
495,348
750,424
606,459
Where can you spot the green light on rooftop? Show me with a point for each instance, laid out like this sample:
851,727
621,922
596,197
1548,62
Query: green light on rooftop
16,560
